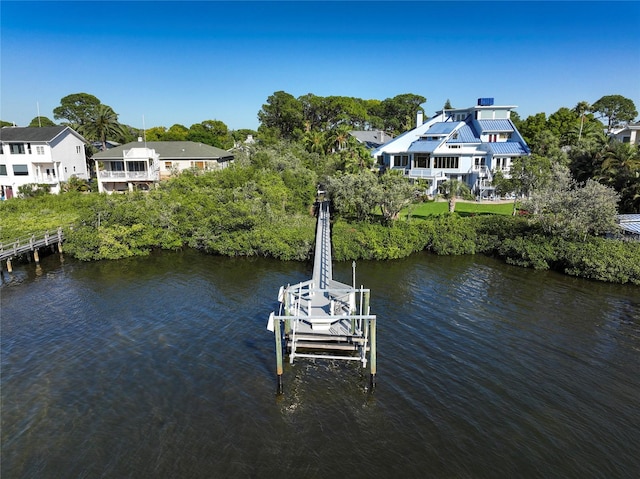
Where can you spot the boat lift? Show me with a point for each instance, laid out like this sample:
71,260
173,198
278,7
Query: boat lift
322,318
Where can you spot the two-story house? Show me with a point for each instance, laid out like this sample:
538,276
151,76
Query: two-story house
468,144
140,165
47,155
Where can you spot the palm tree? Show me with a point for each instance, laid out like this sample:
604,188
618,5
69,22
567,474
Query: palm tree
451,189
103,124
621,162
315,142
340,137
582,108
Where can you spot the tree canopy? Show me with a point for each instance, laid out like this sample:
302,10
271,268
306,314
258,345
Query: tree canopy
616,109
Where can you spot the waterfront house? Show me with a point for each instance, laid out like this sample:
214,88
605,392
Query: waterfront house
139,165
47,155
629,133
467,144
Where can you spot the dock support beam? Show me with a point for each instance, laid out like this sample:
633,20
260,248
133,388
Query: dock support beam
279,370
372,353
36,256
9,267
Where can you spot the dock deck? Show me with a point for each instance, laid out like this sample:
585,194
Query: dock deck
324,318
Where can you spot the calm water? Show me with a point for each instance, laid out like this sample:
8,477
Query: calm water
162,367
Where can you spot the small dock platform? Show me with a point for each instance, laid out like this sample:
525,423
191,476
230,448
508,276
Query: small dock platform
322,318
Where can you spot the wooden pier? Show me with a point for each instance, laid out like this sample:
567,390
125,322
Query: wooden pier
30,245
322,318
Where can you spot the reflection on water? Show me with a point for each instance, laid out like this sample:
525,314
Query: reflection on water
162,367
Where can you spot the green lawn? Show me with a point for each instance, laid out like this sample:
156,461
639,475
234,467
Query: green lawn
423,210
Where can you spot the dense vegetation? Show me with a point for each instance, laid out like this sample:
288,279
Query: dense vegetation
261,206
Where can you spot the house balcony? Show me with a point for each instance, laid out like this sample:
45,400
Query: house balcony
46,179
106,175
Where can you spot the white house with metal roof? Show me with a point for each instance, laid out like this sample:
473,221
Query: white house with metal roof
139,165
48,155
629,133
468,144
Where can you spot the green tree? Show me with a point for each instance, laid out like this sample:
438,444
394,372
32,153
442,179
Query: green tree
452,189
354,195
156,133
532,126
282,114
315,142
616,109
77,109
581,109
562,124
529,173
176,132
102,125
572,210
399,112
211,132
396,193
40,121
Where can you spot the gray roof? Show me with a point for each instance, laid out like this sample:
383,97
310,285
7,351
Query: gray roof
424,146
371,138
630,223
169,150
28,134
499,126
465,134
442,128
507,148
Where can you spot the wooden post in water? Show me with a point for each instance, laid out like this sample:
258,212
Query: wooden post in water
372,352
279,370
9,267
36,256
372,340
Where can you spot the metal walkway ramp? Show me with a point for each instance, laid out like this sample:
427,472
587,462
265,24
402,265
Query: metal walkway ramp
323,318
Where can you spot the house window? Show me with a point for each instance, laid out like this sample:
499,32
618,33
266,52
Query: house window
78,149
197,164
421,161
446,162
40,150
16,148
401,160
492,138
167,165
454,146
136,166
3,170
29,148
21,170
117,166
479,162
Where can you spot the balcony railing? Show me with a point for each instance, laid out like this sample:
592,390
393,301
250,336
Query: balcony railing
128,175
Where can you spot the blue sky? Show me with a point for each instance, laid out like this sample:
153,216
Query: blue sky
186,62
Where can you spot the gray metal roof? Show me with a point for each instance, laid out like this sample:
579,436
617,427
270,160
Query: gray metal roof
507,148
465,134
29,134
176,150
371,138
496,125
424,146
442,128
630,223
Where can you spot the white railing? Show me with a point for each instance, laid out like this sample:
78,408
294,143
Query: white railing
128,175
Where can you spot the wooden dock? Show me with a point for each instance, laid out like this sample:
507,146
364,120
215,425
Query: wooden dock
30,244
323,318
